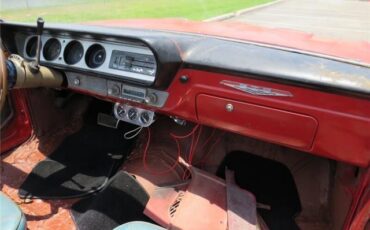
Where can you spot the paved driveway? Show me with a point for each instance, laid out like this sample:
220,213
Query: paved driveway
338,19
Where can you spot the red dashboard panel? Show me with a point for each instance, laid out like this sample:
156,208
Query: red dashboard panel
343,121
262,122
343,131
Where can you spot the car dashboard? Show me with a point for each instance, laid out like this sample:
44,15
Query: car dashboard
99,66
303,101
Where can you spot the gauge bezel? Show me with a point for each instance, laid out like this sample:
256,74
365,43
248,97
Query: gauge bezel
48,43
91,53
32,40
70,47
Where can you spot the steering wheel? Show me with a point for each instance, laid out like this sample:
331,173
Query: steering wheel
3,79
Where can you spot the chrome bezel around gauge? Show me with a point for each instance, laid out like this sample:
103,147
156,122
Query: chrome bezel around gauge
137,119
30,46
73,52
52,49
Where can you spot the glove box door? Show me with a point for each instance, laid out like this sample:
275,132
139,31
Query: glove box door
270,124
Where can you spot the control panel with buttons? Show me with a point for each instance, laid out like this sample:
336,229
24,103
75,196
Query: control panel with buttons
116,89
133,115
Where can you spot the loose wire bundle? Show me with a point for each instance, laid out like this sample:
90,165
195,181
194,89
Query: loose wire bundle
187,159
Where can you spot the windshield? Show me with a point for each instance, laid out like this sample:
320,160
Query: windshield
325,20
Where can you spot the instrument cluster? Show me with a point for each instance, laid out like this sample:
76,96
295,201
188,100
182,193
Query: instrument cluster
126,61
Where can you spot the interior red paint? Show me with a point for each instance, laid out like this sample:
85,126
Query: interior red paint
205,193
265,123
243,31
159,204
19,128
359,213
362,218
343,121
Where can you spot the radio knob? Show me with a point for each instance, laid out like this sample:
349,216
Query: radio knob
151,98
114,90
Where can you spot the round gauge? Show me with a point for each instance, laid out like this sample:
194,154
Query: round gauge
52,49
121,111
73,52
31,47
144,117
132,114
95,56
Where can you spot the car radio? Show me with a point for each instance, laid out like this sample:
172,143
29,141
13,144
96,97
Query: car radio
133,62
116,89
138,94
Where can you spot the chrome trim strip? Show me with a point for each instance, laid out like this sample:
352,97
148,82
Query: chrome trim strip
256,90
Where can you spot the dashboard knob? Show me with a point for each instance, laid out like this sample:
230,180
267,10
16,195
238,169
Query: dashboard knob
144,117
151,98
114,90
120,111
76,81
132,114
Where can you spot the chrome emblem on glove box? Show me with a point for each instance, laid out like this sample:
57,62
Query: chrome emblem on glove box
256,90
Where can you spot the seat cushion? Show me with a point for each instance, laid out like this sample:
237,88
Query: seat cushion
138,225
11,217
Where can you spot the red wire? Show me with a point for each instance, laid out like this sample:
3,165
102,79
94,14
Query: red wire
205,156
186,175
146,154
187,135
208,139
191,154
193,147
186,157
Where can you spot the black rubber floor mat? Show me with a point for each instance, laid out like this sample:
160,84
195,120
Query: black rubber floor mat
122,201
81,165
272,184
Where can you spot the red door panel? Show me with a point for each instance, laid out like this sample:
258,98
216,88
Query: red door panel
18,129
